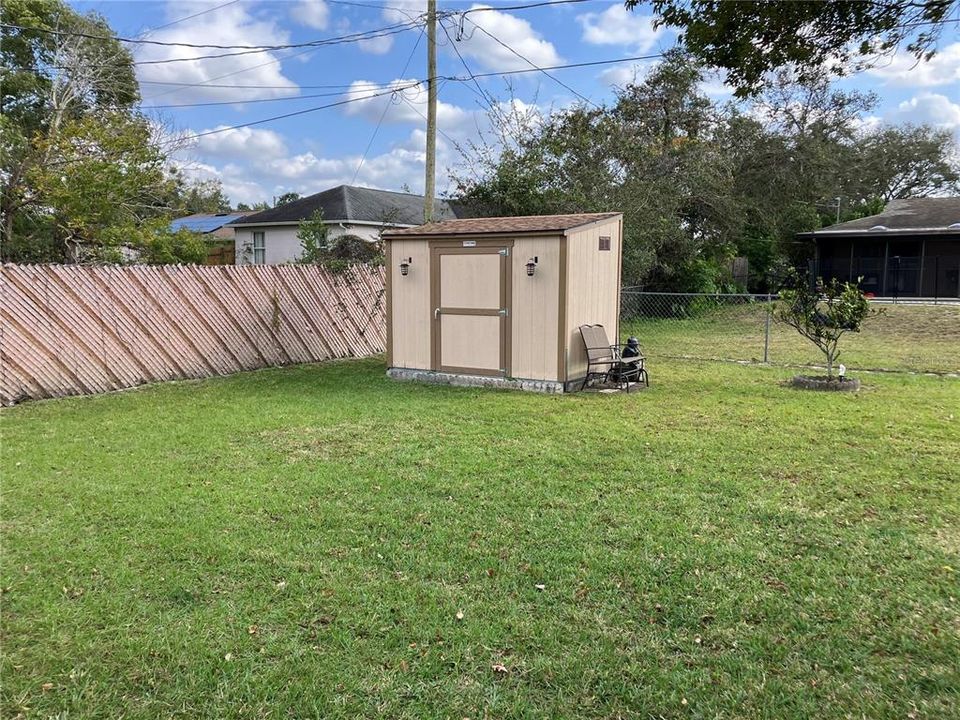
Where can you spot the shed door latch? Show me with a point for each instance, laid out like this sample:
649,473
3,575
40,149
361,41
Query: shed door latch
505,252
504,312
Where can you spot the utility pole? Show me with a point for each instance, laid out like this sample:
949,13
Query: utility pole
429,186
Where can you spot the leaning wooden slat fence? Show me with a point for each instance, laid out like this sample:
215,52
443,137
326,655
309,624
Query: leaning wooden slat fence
71,330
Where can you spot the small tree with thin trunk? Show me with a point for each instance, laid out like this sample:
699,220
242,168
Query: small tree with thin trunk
314,244
823,313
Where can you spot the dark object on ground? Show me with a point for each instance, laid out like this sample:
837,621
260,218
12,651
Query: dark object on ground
606,363
822,382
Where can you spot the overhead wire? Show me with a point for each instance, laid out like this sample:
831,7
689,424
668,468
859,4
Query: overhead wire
398,91
357,37
348,101
345,90
150,31
531,63
490,102
201,46
386,107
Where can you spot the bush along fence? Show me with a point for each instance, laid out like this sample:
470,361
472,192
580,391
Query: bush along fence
907,337
69,330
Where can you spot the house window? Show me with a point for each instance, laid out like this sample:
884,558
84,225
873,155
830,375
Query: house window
259,248
604,242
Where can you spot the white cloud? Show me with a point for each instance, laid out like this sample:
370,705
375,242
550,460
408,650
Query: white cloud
903,69
514,33
376,45
619,76
235,143
400,11
250,179
618,26
626,74
230,25
928,109
311,13
868,124
714,85
408,104
396,12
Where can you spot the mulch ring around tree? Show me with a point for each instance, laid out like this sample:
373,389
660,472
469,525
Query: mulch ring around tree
822,382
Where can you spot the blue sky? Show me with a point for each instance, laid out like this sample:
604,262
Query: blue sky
317,150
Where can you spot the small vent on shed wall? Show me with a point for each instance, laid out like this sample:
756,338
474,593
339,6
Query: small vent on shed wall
604,242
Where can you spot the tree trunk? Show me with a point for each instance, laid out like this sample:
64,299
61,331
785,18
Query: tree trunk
7,227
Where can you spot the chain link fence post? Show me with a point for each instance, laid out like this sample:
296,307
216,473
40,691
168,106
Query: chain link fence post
766,331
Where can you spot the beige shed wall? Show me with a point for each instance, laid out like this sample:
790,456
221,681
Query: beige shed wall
593,289
410,310
536,309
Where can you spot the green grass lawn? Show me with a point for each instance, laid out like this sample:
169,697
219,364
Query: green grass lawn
923,338
322,542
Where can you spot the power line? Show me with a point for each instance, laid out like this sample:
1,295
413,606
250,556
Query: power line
188,17
356,37
566,66
386,107
203,46
417,111
531,63
470,78
528,6
273,61
264,100
246,87
482,94
183,139
390,91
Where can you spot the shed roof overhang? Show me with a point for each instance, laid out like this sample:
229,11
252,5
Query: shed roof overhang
556,226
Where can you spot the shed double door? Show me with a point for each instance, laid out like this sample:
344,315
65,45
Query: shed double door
470,296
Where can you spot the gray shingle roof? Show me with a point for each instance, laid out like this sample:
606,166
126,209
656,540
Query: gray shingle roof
347,203
908,214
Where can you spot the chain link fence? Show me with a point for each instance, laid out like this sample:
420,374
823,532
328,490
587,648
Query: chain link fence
903,336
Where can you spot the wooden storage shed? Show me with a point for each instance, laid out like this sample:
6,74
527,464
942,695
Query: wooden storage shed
498,301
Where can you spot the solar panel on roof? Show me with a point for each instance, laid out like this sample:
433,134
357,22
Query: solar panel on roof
203,224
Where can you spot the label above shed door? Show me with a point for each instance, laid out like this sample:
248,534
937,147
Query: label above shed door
469,243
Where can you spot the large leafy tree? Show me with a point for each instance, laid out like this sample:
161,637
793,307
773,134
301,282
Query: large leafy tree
84,174
750,39
905,161
657,155
199,196
699,182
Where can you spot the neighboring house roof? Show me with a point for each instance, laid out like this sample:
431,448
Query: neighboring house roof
919,216
349,204
504,225
207,223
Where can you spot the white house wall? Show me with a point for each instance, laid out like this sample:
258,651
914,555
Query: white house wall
282,244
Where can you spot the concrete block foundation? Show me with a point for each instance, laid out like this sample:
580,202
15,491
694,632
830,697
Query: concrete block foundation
442,378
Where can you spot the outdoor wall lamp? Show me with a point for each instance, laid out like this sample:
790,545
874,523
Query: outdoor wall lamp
405,266
532,266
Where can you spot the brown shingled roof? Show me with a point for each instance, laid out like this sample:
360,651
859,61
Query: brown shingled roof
502,225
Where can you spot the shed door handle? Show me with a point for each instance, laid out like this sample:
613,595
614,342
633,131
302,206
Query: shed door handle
436,314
